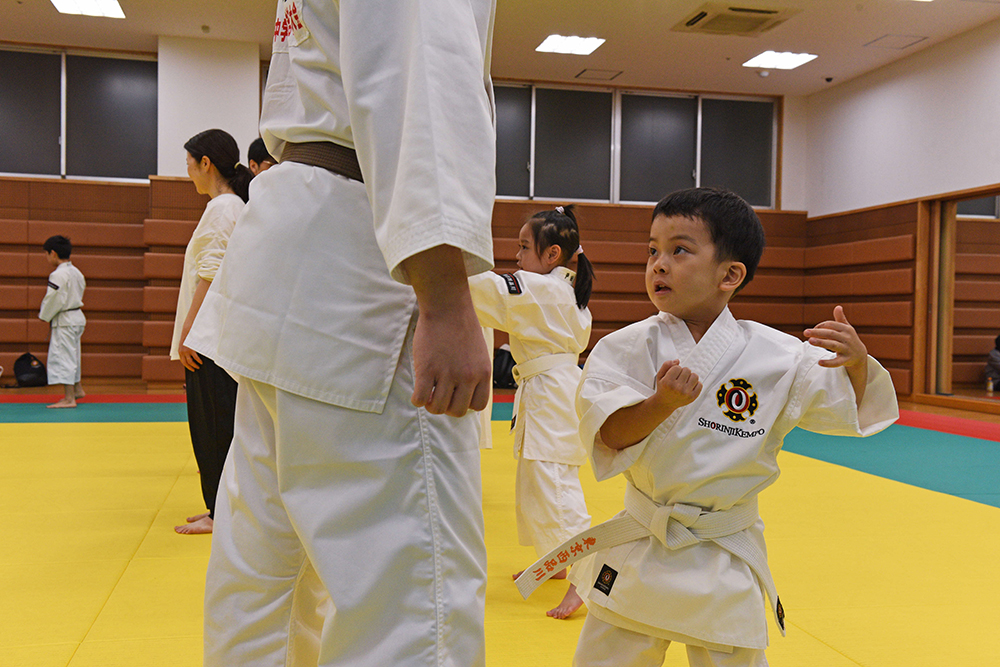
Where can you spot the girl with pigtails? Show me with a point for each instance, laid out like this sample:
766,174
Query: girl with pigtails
543,308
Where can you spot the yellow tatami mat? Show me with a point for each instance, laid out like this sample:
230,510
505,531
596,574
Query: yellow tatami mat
871,572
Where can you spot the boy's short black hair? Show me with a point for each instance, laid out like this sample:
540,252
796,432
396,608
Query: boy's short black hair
60,245
258,152
735,228
996,343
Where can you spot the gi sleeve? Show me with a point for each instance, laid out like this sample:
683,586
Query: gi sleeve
54,301
415,74
824,400
213,242
489,296
605,388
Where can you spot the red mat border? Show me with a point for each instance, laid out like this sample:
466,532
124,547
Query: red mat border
97,398
141,398
969,428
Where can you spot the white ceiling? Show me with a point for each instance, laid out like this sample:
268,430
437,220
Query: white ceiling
640,42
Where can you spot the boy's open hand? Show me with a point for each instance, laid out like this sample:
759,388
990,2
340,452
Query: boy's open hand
839,337
676,386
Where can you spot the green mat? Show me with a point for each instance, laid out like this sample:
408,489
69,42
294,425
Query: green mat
36,413
953,464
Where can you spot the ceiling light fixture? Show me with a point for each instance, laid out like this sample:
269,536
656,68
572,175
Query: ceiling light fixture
775,60
106,8
579,46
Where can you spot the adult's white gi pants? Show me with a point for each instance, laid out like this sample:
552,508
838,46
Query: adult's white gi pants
383,511
602,644
62,365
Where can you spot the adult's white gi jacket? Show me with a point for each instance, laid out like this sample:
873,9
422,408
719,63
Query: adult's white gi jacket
716,453
63,300
406,84
549,331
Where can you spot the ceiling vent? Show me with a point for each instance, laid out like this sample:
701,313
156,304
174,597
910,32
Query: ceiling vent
718,18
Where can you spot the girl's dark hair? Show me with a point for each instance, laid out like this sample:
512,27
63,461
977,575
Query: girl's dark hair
222,151
558,227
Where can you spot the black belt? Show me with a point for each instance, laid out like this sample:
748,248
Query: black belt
326,154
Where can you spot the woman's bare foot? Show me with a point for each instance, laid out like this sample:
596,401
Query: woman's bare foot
557,575
198,527
63,403
570,603
192,519
78,391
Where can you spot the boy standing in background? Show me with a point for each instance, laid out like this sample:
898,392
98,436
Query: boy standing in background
61,308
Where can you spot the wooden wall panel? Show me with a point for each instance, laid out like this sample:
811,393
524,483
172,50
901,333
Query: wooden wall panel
14,232
975,345
174,199
977,298
902,379
976,263
163,265
158,334
875,223
860,283
159,368
777,315
13,330
855,253
87,234
13,297
168,233
978,236
866,261
87,201
13,264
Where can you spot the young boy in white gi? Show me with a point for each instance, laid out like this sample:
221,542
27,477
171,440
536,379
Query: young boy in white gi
692,407
61,308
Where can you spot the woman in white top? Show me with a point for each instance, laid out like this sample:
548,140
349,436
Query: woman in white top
213,164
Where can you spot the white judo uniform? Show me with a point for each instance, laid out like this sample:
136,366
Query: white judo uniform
547,334
61,308
713,456
335,483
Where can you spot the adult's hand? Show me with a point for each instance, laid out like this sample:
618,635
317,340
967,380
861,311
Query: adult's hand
450,358
189,358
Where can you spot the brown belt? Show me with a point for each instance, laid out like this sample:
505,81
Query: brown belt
326,154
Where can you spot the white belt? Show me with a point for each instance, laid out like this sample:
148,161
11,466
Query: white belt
675,526
529,369
525,371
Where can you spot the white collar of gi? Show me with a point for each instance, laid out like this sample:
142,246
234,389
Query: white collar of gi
566,274
703,356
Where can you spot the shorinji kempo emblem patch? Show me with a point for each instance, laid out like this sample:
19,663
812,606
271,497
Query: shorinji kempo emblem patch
606,579
737,399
